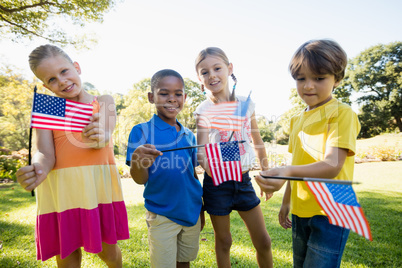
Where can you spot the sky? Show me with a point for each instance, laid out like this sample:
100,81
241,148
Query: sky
138,38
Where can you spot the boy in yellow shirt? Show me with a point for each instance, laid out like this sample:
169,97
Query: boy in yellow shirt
322,141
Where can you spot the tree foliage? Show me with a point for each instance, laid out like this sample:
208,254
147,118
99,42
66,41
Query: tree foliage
137,109
282,128
265,128
16,102
35,18
376,74
194,98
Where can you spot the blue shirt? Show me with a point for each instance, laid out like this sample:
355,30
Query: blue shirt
171,190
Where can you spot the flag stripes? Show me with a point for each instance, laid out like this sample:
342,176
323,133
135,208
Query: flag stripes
224,161
56,113
340,204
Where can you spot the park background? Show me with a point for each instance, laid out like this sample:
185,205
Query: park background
138,38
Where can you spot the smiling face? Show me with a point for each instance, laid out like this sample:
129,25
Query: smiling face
60,76
213,73
315,90
168,97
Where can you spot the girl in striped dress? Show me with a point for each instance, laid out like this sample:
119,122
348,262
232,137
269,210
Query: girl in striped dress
79,196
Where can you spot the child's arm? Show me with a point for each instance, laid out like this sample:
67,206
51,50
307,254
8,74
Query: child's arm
142,158
202,138
202,213
97,134
327,168
283,215
259,148
43,161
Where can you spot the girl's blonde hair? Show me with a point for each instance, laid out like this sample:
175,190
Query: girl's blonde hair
44,52
211,51
216,52
321,57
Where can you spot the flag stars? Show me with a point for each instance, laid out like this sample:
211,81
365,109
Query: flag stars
230,151
50,105
342,194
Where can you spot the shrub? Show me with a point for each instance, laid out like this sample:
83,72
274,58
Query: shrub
10,162
380,153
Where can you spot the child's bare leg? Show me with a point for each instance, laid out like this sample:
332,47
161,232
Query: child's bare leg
223,239
71,261
182,264
255,223
111,255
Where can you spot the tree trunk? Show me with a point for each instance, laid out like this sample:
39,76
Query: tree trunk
398,122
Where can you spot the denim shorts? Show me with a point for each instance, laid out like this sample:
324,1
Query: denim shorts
317,243
231,195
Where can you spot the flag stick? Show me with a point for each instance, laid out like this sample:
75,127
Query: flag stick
188,147
311,179
30,139
231,135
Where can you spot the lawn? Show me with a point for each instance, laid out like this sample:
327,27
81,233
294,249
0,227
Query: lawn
380,195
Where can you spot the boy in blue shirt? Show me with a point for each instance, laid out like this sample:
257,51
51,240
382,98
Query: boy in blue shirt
173,193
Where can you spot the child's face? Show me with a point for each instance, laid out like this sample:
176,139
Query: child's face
315,90
169,98
60,76
213,74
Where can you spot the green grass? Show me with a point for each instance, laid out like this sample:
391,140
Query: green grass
380,195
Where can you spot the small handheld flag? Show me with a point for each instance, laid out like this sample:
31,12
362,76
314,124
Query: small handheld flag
225,116
311,179
189,147
224,161
340,204
54,113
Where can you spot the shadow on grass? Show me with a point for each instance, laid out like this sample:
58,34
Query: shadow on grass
18,244
243,253
136,252
383,212
14,197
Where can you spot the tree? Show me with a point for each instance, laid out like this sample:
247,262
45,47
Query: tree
90,88
29,19
15,109
282,128
376,74
194,98
136,110
265,128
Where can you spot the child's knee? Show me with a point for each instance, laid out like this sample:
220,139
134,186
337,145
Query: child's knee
110,253
264,243
225,242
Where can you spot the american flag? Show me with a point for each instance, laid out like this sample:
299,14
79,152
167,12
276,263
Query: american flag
340,204
224,161
49,112
225,116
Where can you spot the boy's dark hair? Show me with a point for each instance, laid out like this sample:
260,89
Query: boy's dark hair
162,74
321,57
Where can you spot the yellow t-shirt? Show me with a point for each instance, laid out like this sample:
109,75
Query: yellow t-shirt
333,124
